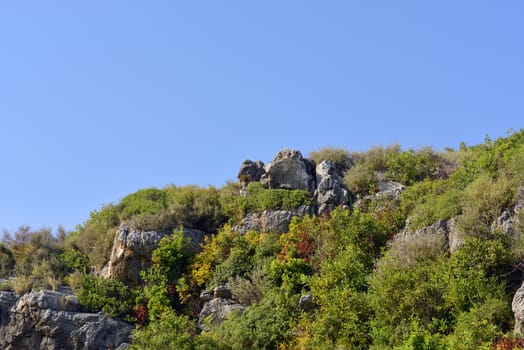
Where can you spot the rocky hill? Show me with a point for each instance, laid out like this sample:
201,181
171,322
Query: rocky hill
383,249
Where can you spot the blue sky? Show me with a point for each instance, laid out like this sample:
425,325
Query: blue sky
101,98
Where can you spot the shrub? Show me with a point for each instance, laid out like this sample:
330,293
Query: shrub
7,261
409,167
339,156
247,290
141,203
429,201
110,296
361,179
484,201
170,331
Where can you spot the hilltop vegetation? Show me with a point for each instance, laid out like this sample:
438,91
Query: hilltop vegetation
373,282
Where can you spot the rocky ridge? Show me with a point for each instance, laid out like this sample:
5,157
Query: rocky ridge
53,321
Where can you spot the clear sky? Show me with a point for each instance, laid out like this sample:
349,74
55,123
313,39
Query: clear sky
101,98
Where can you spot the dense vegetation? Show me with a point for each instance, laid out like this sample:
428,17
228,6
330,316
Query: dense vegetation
369,290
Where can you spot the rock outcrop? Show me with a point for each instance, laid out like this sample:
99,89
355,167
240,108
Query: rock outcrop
216,309
517,306
329,192
447,228
52,321
132,250
250,172
271,221
289,170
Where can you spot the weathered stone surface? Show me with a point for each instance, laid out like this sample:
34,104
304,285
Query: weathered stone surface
289,170
250,172
132,251
508,221
329,193
222,292
215,312
517,306
305,302
52,321
389,188
276,221
447,228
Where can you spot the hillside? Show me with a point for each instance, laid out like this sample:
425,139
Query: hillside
383,249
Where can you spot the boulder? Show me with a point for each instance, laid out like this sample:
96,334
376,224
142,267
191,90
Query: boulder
517,306
132,250
447,228
389,188
271,221
330,192
250,172
305,303
508,221
215,312
52,320
289,170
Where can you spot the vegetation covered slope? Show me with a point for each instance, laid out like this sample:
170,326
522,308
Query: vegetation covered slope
370,290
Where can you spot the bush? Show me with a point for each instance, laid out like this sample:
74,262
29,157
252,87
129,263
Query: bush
259,199
361,179
339,156
7,261
484,201
411,166
149,201
170,331
110,296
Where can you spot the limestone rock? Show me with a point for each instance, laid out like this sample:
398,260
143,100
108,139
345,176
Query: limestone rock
276,221
447,228
52,321
132,250
305,302
250,172
391,188
508,221
289,170
329,193
517,306
222,292
216,311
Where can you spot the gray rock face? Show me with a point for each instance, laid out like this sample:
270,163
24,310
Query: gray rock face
289,170
217,309
132,250
517,306
250,172
389,188
447,228
271,221
305,303
52,321
508,221
329,192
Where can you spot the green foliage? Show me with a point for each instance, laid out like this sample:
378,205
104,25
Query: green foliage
141,203
339,156
259,199
409,167
171,331
361,179
430,201
259,327
103,294
94,239
484,201
169,261
7,261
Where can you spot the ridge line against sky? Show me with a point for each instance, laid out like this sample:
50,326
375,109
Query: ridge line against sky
99,99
